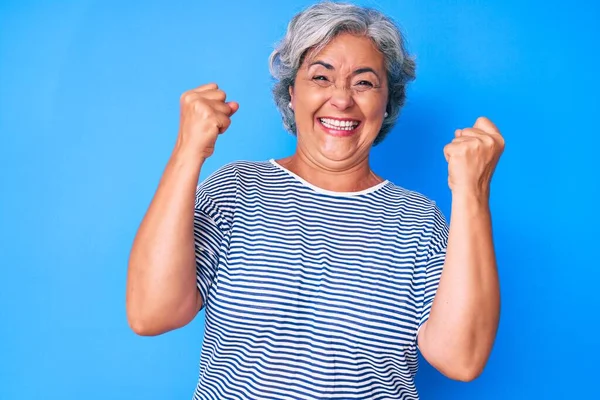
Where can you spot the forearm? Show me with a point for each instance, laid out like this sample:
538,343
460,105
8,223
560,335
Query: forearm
460,332
161,280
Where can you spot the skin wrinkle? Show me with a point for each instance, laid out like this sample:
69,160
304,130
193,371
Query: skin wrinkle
321,90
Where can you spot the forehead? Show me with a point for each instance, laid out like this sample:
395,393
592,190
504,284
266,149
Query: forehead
349,51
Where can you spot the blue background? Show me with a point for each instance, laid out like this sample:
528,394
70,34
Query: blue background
89,112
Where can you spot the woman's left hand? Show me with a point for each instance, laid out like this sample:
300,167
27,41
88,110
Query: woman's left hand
472,157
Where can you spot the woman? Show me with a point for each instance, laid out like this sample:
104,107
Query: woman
319,277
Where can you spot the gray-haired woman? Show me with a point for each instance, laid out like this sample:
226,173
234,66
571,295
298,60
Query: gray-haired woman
321,278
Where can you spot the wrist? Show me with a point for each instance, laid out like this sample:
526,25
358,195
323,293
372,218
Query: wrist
474,198
472,192
186,155
184,159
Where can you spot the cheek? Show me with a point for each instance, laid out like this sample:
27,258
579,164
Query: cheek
373,111
308,99
374,105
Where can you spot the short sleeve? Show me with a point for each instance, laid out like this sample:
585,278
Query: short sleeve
213,213
436,255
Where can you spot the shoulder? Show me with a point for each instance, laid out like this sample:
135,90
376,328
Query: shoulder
411,200
242,167
233,175
250,168
233,170
421,212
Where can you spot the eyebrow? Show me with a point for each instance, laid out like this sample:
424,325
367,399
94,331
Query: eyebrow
355,72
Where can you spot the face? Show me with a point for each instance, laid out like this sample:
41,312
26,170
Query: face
339,100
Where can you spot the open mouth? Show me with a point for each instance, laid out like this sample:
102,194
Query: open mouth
339,127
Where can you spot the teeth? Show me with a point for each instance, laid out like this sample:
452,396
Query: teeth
337,124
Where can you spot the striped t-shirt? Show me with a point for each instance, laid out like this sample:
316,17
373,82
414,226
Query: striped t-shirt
309,293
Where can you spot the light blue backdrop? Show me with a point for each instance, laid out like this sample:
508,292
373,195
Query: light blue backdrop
89,112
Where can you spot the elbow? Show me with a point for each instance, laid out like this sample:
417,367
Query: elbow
146,321
457,366
462,362
465,370
464,374
140,320
143,327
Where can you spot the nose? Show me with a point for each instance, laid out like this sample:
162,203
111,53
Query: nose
341,98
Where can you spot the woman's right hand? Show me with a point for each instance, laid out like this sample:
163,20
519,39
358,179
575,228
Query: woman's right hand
204,115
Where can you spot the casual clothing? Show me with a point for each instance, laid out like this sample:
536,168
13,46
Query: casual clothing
312,294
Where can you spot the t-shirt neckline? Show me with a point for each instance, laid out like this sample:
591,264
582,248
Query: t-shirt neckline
325,191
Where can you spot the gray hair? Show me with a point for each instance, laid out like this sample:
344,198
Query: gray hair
315,27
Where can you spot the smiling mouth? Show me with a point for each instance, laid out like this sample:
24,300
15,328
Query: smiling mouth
339,127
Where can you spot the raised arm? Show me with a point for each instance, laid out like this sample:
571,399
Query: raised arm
162,292
458,336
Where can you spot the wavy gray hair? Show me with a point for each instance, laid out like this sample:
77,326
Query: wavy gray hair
315,27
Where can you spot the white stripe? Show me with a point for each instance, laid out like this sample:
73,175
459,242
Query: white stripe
308,292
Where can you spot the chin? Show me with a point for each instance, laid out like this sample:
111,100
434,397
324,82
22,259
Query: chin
334,149
336,153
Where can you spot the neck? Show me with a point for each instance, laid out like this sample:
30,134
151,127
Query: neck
344,177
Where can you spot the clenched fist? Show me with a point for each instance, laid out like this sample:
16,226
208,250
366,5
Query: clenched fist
204,115
472,157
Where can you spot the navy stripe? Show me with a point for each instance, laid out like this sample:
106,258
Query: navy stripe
312,294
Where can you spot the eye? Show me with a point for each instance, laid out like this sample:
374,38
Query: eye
365,83
321,80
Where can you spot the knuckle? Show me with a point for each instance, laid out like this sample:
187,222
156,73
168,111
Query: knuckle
221,95
184,97
487,141
476,142
188,97
199,107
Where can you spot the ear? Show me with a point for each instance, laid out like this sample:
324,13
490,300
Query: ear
291,90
